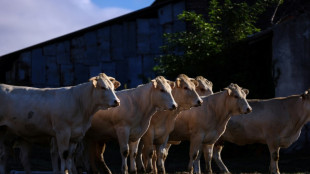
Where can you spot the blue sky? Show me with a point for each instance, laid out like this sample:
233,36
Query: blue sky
24,23
130,4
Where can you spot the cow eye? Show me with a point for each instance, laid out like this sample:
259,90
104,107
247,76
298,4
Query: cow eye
186,88
161,90
103,88
202,89
236,96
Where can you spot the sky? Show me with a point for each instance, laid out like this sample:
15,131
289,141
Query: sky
24,23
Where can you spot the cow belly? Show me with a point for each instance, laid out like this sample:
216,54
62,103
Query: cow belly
30,129
287,141
211,137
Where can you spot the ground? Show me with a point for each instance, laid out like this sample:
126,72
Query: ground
254,159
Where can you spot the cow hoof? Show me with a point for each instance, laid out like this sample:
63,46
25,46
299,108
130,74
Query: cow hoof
107,171
133,172
142,170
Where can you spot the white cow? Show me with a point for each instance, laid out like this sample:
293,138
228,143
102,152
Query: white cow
202,126
35,114
162,123
128,122
276,122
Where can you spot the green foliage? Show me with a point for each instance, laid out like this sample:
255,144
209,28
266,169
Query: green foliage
207,48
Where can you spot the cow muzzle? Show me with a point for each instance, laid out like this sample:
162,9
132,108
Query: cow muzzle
116,103
248,110
199,103
173,107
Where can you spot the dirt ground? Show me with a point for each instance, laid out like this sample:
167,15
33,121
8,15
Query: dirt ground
238,159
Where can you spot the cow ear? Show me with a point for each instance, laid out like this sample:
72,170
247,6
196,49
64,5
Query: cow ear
178,82
210,83
246,91
115,82
195,82
94,81
305,95
228,91
172,84
154,83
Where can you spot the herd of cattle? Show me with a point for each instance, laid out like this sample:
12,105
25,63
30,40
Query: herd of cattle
76,123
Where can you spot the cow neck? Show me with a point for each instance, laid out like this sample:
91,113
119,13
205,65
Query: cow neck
142,98
167,114
217,103
82,92
180,106
299,117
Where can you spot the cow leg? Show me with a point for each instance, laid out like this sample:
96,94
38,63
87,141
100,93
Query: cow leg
4,154
154,159
93,156
161,156
167,147
123,139
62,139
207,152
140,164
79,160
196,164
100,148
148,154
54,155
195,146
274,158
72,150
133,149
218,159
25,148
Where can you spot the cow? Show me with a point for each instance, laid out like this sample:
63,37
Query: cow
202,126
276,122
162,123
204,87
35,114
128,122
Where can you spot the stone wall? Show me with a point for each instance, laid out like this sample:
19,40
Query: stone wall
123,49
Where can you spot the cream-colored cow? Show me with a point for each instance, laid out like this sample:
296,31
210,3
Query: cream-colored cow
36,114
202,126
204,87
128,122
276,122
162,123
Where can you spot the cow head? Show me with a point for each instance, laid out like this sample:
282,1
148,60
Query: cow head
104,90
161,93
236,100
204,87
185,92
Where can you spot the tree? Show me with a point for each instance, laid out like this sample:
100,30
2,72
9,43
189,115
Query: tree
207,47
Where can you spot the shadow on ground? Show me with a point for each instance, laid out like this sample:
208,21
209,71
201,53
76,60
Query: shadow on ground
238,159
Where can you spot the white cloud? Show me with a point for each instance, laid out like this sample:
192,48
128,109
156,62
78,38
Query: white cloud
27,22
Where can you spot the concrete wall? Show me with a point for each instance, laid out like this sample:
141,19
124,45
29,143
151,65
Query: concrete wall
125,50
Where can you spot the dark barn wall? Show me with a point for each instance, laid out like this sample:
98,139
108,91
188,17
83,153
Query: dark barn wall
124,49
291,55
